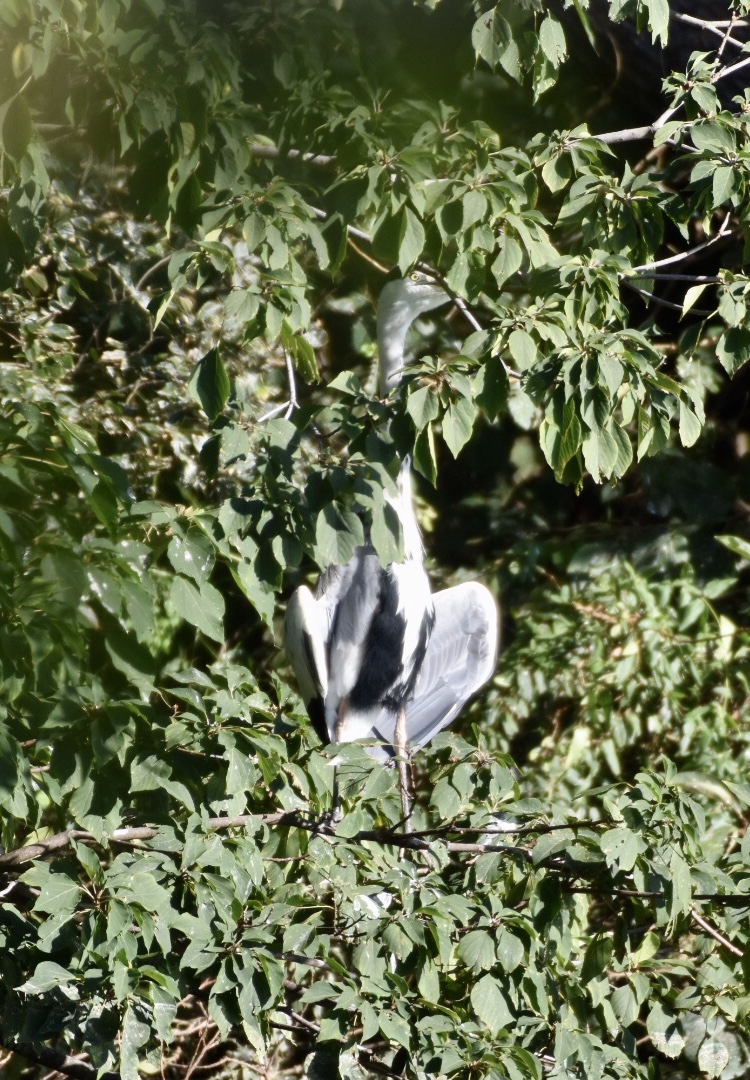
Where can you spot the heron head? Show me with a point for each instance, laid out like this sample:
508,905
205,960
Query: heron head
413,294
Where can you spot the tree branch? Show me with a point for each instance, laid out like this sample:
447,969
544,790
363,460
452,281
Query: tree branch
722,899
723,234
660,301
263,150
390,837
714,933
721,29
59,1061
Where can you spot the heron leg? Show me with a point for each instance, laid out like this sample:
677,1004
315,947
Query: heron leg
402,762
338,731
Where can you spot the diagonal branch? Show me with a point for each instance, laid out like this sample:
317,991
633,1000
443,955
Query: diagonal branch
59,1061
714,933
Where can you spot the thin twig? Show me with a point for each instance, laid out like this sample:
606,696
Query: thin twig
661,302
696,279
151,271
363,255
715,933
351,230
731,70
721,29
708,24
293,403
465,310
728,37
681,256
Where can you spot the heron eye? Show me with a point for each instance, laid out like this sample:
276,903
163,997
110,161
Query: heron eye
415,276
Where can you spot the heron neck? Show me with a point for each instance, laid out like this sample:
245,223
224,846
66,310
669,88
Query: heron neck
404,506
394,320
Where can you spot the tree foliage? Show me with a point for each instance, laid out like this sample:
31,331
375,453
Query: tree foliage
196,204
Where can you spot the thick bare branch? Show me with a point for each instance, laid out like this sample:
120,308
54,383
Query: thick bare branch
59,1061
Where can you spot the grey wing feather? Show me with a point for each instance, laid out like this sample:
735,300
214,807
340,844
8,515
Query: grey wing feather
460,658
306,632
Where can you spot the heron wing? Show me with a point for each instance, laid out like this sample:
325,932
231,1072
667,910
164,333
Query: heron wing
307,626
460,658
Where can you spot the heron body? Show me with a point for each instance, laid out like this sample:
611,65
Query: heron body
378,657
358,645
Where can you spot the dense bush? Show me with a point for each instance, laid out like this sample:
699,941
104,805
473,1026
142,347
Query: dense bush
197,204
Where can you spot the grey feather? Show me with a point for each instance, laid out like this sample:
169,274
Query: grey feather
461,657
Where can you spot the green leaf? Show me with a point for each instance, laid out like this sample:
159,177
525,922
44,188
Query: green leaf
428,982
736,545
202,607
338,531
477,950
395,1029
658,19
147,893
491,387
680,886
490,1006
410,239
625,1005
662,1027
713,1057
523,349
494,40
621,848
192,555
733,349
259,593
346,382
135,1034
647,949
425,460
570,437
600,453
597,957
712,136
692,295
209,384
385,534
624,452
58,892
474,206
557,172
509,259
724,184
510,951
422,406
690,425
611,371
16,126
552,40
458,424
47,975
302,351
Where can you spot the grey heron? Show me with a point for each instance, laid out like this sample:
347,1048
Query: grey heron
376,656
